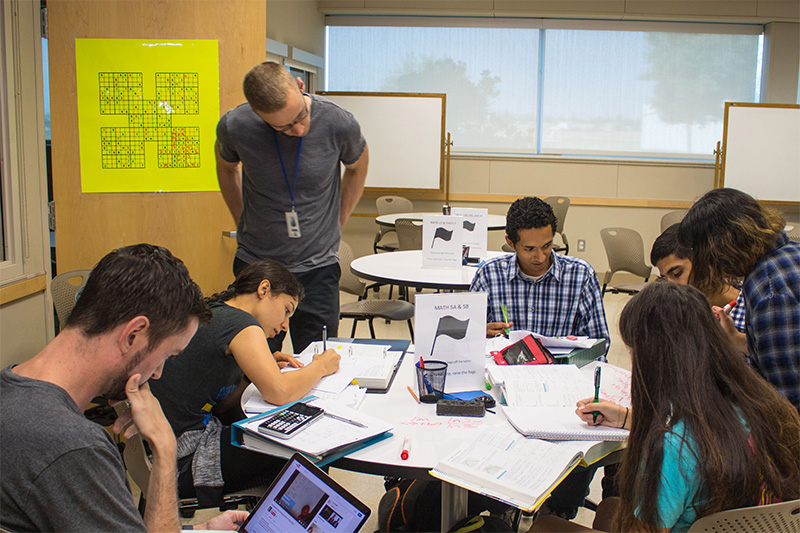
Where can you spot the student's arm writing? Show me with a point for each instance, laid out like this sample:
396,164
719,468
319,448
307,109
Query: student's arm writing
251,351
608,413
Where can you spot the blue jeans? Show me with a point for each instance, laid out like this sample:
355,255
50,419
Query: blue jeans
319,306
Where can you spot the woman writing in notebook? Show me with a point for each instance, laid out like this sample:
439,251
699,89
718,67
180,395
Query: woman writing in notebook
206,381
707,432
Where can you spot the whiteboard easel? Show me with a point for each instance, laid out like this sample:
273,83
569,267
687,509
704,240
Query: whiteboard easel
761,151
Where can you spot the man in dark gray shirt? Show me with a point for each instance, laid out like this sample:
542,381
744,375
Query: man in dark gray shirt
61,472
288,195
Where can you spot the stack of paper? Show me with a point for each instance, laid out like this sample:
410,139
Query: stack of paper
326,439
370,365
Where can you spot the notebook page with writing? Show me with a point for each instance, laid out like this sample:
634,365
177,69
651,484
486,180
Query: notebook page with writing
559,423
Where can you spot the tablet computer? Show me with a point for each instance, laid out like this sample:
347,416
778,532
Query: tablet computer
303,498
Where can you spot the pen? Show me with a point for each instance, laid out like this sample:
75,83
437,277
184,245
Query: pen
406,449
412,394
324,337
343,419
504,309
596,391
728,307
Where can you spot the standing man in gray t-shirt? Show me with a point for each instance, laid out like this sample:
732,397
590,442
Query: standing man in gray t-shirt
288,195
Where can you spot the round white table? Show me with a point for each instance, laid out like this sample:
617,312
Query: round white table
432,438
404,268
493,222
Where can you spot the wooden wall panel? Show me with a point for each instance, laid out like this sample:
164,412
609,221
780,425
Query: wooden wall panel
189,224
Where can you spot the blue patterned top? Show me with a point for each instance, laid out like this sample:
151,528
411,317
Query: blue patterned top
772,298
566,300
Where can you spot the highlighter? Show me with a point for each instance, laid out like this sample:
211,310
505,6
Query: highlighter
504,309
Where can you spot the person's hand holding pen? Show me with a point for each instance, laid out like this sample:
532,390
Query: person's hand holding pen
608,413
329,361
726,323
493,329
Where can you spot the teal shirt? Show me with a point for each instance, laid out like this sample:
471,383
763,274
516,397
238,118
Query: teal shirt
680,480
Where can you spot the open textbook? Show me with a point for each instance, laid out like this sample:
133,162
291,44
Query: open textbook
503,464
372,365
540,399
328,438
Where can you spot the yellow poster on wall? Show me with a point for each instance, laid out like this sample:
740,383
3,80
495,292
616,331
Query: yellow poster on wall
147,114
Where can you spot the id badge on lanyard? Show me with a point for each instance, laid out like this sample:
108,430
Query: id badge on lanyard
292,224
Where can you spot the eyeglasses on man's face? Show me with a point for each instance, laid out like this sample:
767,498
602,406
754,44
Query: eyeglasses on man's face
300,118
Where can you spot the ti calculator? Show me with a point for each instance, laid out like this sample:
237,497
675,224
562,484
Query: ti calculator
291,420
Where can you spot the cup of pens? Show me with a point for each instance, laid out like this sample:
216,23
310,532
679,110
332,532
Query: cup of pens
430,380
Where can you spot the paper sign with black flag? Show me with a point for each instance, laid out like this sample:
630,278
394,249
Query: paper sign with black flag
452,328
442,239
475,229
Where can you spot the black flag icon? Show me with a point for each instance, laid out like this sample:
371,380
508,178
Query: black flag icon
469,226
441,233
452,327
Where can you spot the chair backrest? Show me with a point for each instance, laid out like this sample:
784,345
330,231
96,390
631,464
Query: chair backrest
673,217
793,230
560,205
348,282
393,204
625,251
781,517
137,462
63,289
409,234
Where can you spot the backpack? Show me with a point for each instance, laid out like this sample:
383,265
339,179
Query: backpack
410,505
480,523
416,505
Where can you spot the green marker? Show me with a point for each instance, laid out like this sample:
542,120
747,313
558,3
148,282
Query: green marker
505,316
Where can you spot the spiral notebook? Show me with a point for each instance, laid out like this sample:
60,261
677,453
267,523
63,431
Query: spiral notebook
559,423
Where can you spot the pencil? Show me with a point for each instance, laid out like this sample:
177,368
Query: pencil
412,394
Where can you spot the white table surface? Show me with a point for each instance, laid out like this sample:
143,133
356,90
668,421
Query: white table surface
493,222
405,268
432,438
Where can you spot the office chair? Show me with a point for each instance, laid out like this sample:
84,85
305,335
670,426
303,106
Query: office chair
63,289
386,206
792,230
673,217
625,251
409,234
138,463
560,205
781,517
367,309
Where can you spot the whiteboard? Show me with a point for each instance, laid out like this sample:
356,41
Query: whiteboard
405,134
761,150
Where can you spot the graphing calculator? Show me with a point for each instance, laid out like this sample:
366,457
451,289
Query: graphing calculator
291,420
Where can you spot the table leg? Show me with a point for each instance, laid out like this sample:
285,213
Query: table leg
454,505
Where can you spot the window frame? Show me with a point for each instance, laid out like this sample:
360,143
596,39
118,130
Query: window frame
542,25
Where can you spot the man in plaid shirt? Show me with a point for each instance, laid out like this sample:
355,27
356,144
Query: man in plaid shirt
732,235
547,293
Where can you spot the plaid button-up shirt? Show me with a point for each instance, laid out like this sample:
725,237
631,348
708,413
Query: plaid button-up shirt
566,300
772,298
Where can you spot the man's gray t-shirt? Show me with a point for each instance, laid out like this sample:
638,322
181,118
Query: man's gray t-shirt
60,471
333,137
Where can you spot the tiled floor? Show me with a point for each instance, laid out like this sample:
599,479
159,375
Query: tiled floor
369,488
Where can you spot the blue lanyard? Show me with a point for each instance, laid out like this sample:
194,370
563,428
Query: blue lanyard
283,167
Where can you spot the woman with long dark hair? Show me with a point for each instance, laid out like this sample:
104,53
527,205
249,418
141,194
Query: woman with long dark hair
206,380
707,432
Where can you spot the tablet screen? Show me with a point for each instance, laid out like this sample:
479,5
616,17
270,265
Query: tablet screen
304,498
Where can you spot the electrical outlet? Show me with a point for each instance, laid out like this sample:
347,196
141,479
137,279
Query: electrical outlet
581,245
